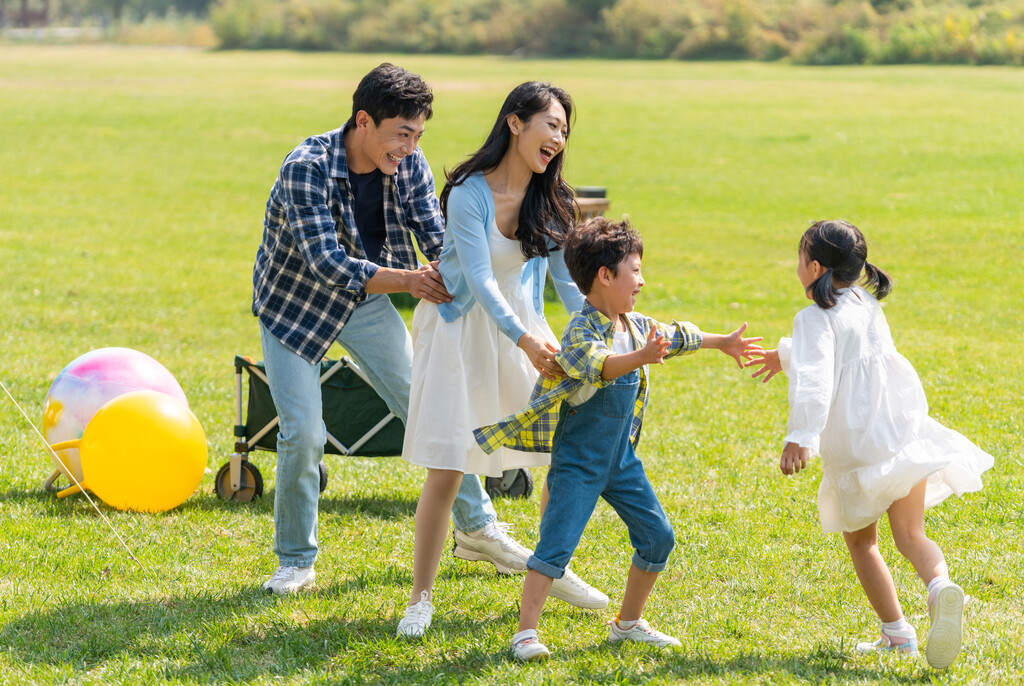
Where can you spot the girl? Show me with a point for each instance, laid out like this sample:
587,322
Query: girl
476,358
859,404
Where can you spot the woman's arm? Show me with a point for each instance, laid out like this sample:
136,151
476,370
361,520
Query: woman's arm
469,223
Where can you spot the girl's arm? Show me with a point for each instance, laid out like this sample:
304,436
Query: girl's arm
811,378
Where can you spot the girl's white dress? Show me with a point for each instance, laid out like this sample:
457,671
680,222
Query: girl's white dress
466,373
859,403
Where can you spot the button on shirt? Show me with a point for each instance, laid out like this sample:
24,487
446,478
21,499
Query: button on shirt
586,343
311,269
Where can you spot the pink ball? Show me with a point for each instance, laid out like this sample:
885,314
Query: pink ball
86,384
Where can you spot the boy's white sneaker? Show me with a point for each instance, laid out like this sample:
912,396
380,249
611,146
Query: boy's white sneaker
526,647
287,580
642,633
417,617
945,635
578,592
492,544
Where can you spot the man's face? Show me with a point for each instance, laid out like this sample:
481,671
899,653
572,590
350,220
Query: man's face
385,145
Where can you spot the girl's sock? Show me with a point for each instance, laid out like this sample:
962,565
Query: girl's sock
935,585
898,632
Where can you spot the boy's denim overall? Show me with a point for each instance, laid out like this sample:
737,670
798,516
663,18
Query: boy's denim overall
592,457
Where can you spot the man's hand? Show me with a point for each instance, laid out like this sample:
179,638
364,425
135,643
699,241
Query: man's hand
769,361
426,283
794,458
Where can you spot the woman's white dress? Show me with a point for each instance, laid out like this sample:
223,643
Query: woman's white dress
859,403
466,373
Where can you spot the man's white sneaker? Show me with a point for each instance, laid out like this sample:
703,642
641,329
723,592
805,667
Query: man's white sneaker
287,580
417,617
577,592
945,635
641,632
526,647
492,544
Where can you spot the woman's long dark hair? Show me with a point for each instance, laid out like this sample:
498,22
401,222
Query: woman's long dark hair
840,248
547,209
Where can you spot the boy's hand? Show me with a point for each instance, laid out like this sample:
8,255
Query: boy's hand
769,361
656,348
794,458
739,348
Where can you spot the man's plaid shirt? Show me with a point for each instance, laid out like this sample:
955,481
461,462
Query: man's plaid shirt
311,270
586,343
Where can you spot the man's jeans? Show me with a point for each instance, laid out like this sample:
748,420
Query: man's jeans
377,340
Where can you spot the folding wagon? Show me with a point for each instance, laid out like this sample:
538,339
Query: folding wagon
358,421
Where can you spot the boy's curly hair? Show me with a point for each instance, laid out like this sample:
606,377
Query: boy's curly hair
596,243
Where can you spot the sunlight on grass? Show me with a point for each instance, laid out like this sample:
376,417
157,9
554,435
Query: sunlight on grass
130,212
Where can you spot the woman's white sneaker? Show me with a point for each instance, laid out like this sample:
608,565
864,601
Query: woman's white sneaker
417,617
577,592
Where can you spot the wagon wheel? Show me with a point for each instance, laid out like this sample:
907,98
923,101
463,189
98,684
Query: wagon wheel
514,483
323,477
250,484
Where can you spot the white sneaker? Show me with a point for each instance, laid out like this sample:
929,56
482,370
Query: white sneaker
526,647
907,644
578,592
945,635
492,544
287,580
640,632
417,617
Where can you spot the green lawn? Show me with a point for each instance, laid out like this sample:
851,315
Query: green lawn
132,195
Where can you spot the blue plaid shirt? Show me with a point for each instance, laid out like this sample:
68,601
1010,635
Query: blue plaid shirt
311,269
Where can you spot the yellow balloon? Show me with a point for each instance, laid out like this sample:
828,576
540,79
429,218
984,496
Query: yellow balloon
143,451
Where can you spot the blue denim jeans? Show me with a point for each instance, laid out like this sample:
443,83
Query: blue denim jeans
592,457
377,340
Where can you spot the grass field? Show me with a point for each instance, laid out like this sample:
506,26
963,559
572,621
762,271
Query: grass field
131,202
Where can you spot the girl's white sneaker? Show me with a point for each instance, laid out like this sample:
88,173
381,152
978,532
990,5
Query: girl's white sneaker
417,618
945,635
885,643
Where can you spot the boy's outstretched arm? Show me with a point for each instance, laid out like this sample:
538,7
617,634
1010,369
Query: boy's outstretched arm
733,344
769,361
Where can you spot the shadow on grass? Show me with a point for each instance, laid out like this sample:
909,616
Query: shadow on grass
250,636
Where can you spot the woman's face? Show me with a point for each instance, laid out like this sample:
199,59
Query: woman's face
538,140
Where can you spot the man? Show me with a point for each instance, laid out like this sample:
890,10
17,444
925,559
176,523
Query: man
337,238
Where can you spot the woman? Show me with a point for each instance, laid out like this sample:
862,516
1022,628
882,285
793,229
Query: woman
476,358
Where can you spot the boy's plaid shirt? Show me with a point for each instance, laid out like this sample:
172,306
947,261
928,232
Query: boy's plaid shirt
586,343
311,270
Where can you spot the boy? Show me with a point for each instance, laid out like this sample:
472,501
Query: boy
599,407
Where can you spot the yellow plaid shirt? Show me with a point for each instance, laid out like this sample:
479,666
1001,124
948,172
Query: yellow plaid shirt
586,343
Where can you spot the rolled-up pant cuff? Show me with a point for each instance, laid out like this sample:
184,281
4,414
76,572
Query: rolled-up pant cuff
645,566
538,565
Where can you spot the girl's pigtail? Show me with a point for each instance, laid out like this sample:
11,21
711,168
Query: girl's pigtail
877,281
824,291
